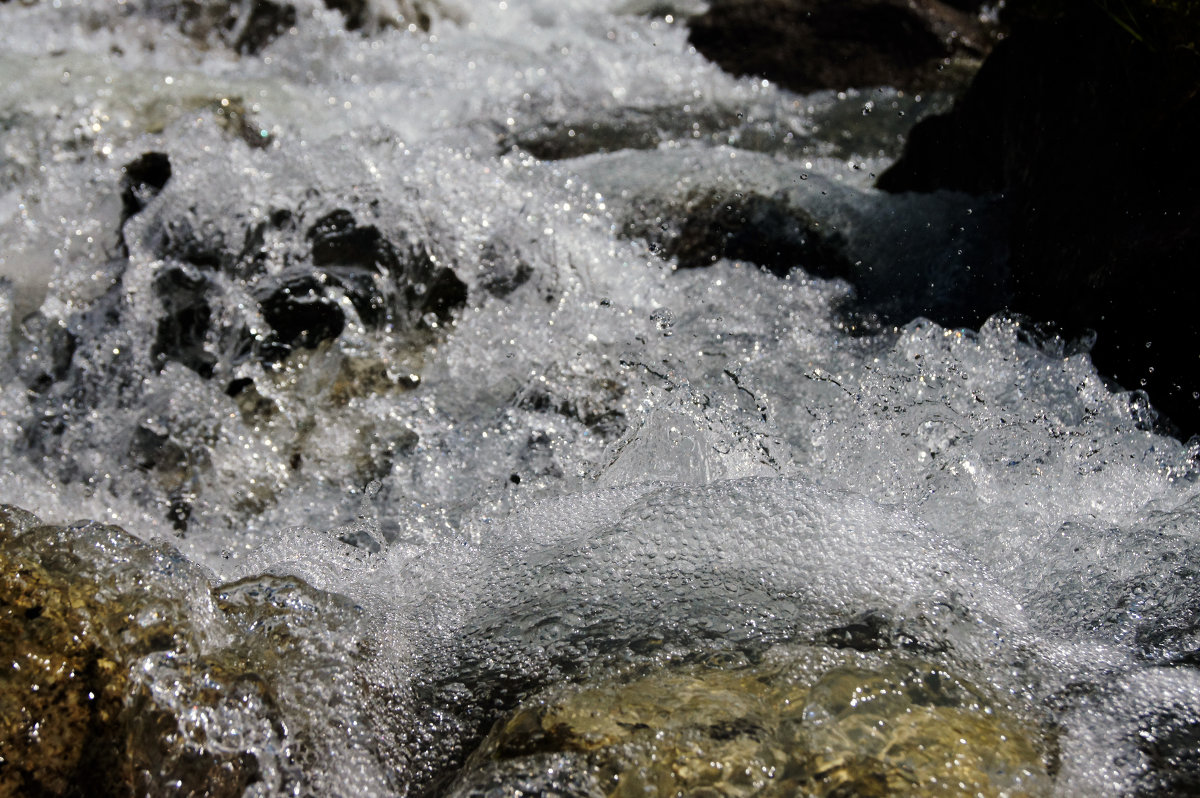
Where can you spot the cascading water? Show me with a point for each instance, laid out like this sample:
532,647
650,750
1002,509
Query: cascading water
383,333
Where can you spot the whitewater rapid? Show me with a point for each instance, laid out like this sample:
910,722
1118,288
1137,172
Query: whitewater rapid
510,440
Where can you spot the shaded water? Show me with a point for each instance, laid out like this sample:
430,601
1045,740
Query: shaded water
384,334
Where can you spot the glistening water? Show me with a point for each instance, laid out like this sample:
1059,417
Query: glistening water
377,346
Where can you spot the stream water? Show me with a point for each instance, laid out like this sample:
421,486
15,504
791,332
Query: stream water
383,331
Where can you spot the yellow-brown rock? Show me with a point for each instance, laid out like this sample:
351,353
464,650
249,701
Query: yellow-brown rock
804,721
80,606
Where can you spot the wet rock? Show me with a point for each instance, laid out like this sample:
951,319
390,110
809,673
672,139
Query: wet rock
811,721
619,129
701,228
1169,741
300,314
141,180
247,27
200,242
388,281
360,377
125,669
502,269
1176,642
296,275
187,315
868,631
1104,228
363,14
78,606
233,117
45,349
806,45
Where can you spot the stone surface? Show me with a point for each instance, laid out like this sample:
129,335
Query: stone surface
1089,128
296,271
701,228
809,721
243,26
806,45
125,669
79,606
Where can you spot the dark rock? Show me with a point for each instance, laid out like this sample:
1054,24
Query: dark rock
141,180
619,129
201,243
151,448
187,315
1090,134
300,313
1172,643
247,27
387,282
869,631
359,15
503,271
442,293
46,350
702,228
1169,740
296,274
806,45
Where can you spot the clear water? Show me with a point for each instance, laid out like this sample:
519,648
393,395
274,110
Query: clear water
596,449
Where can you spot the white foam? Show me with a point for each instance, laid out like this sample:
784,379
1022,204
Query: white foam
608,453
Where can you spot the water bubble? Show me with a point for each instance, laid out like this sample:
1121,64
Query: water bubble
663,319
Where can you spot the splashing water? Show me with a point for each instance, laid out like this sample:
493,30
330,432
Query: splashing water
384,331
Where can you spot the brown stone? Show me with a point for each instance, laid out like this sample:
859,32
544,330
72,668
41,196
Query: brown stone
805,721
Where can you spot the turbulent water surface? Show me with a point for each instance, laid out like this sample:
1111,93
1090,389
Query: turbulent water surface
387,334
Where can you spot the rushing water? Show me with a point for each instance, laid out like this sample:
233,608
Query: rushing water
397,313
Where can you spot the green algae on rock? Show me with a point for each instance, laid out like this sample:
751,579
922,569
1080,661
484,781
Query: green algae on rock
804,721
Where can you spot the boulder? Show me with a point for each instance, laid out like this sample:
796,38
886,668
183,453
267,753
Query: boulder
127,670
767,230
294,270
247,27
79,607
802,721
1087,121
807,45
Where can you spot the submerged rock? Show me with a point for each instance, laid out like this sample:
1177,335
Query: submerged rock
706,226
364,14
243,26
295,274
810,721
